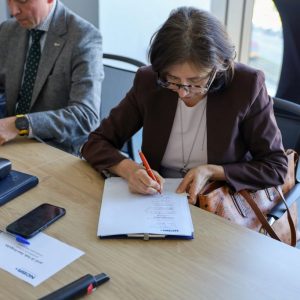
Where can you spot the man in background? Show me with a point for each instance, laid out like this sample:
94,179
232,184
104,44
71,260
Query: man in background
50,74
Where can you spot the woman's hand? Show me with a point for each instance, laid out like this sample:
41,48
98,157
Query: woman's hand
196,178
137,177
140,182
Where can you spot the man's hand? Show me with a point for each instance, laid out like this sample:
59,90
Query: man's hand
8,130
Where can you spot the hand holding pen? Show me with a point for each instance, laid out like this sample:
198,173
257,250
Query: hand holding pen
148,169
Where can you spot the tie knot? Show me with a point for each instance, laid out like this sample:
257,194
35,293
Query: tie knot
36,34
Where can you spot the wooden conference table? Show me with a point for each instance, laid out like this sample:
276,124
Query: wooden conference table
224,261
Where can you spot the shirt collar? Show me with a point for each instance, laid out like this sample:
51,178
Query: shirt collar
44,25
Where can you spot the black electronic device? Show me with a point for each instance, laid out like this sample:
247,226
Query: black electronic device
36,220
22,124
5,167
14,184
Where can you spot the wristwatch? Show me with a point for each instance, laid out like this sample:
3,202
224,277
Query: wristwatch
22,124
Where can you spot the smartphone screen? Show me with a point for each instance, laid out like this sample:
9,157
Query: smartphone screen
36,220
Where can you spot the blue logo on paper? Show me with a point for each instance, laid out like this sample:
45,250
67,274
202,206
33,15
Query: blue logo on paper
26,273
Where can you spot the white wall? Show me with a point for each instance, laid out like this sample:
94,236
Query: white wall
3,11
87,9
122,28
127,26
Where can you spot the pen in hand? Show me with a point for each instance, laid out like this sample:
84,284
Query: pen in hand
148,169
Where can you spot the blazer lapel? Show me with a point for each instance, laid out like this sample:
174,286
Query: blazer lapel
219,127
163,113
213,126
166,106
16,60
53,46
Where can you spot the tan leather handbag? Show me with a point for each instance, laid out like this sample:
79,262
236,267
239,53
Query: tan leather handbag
251,208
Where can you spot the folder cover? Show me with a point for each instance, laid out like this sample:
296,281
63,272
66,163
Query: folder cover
127,215
15,184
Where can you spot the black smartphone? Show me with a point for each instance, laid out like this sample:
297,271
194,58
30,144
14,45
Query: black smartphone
36,220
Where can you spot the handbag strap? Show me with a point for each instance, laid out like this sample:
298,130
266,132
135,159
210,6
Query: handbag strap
265,222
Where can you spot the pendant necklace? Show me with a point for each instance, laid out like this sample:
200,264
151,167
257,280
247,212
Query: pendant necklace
185,163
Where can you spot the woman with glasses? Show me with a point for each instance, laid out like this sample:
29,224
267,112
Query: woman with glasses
204,117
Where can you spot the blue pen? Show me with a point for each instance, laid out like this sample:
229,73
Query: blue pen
22,240
18,238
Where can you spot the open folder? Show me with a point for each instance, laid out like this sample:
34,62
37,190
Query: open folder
127,215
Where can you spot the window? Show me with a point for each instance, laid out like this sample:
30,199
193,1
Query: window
266,49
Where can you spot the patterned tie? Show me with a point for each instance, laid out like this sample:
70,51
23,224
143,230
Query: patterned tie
31,68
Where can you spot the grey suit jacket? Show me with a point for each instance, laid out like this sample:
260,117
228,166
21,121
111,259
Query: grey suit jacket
242,134
66,97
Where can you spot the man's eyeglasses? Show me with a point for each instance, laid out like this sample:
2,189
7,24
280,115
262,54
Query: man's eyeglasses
189,88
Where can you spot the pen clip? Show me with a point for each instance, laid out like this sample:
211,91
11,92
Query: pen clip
146,236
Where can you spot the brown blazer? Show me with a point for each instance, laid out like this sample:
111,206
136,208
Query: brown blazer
242,134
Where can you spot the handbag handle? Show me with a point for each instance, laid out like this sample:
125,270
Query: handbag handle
265,222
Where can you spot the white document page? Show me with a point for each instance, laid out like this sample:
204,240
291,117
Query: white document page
123,212
38,261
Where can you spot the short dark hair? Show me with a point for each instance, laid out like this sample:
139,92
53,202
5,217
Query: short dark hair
195,36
